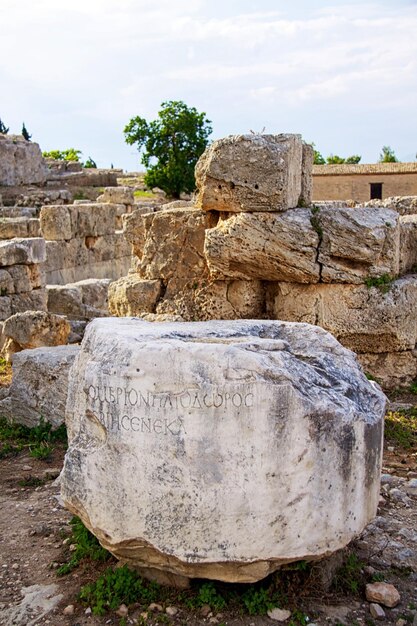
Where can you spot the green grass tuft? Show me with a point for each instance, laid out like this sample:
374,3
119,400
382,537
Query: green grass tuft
87,547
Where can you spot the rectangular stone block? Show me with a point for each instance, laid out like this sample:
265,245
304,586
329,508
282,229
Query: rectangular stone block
35,300
58,222
366,320
26,277
5,307
264,246
96,220
251,173
22,251
408,244
358,243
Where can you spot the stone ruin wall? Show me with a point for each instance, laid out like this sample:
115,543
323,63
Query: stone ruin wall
253,246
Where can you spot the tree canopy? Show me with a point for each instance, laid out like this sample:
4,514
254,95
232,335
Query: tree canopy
3,129
171,144
25,133
70,154
387,155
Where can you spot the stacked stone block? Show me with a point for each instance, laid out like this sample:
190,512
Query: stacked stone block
82,242
253,247
22,280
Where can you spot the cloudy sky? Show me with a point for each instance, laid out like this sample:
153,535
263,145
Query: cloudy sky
343,74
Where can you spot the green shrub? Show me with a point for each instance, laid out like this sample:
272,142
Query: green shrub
87,547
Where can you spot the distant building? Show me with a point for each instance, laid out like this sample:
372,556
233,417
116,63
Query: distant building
364,182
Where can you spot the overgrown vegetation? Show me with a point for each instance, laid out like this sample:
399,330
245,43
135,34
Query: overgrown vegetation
350,577
383,283
38,440
86,545
143,194
401,428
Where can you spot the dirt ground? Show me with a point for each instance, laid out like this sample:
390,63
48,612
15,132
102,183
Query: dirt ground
33,527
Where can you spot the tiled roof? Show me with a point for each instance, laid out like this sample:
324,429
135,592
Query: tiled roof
370,168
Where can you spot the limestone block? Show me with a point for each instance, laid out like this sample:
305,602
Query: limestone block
34,227
26,251
117,195
5,307
264,246
57,222
11,227
96,219
132,295
306,175
26,277
82,300
408,243
6,283
245,453
391,369
404,205
39,386
250,173
174,245
33,329
35,300
134,230
358,243
362,319
231,300
21,162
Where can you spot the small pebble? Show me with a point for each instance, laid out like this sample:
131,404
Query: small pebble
122,611
171,611
69,610
155,607
279,615
377,611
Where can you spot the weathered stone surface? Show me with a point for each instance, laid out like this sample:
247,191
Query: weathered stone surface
250,173
404,205
132,295
306,175
358,243
25,251
117,195
82,300
384,593
174,246
57,222
33,329
21,161
245,454
76,221
22,227
265,246
35,300
408,243
362,319
391,369
26,277
39,385
230,300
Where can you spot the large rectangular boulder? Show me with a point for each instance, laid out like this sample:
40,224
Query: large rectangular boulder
264,246
22,251
364,319
21,162
39,386
253,173
245,454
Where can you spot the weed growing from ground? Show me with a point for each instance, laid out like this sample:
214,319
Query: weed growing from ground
39,440
207,594
383,283
116,587
87,547
401,428
350,578
143,194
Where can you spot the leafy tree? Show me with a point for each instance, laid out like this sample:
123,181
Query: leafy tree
318,157
355,158
3,129
25,133
90,163
334,159
71,154
387,155
176,140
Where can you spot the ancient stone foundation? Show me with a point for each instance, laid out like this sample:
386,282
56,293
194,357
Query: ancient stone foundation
252,246
220,450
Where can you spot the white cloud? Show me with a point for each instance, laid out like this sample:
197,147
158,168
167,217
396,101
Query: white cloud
95,63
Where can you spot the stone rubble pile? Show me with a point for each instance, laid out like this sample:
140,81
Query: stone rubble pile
252,246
